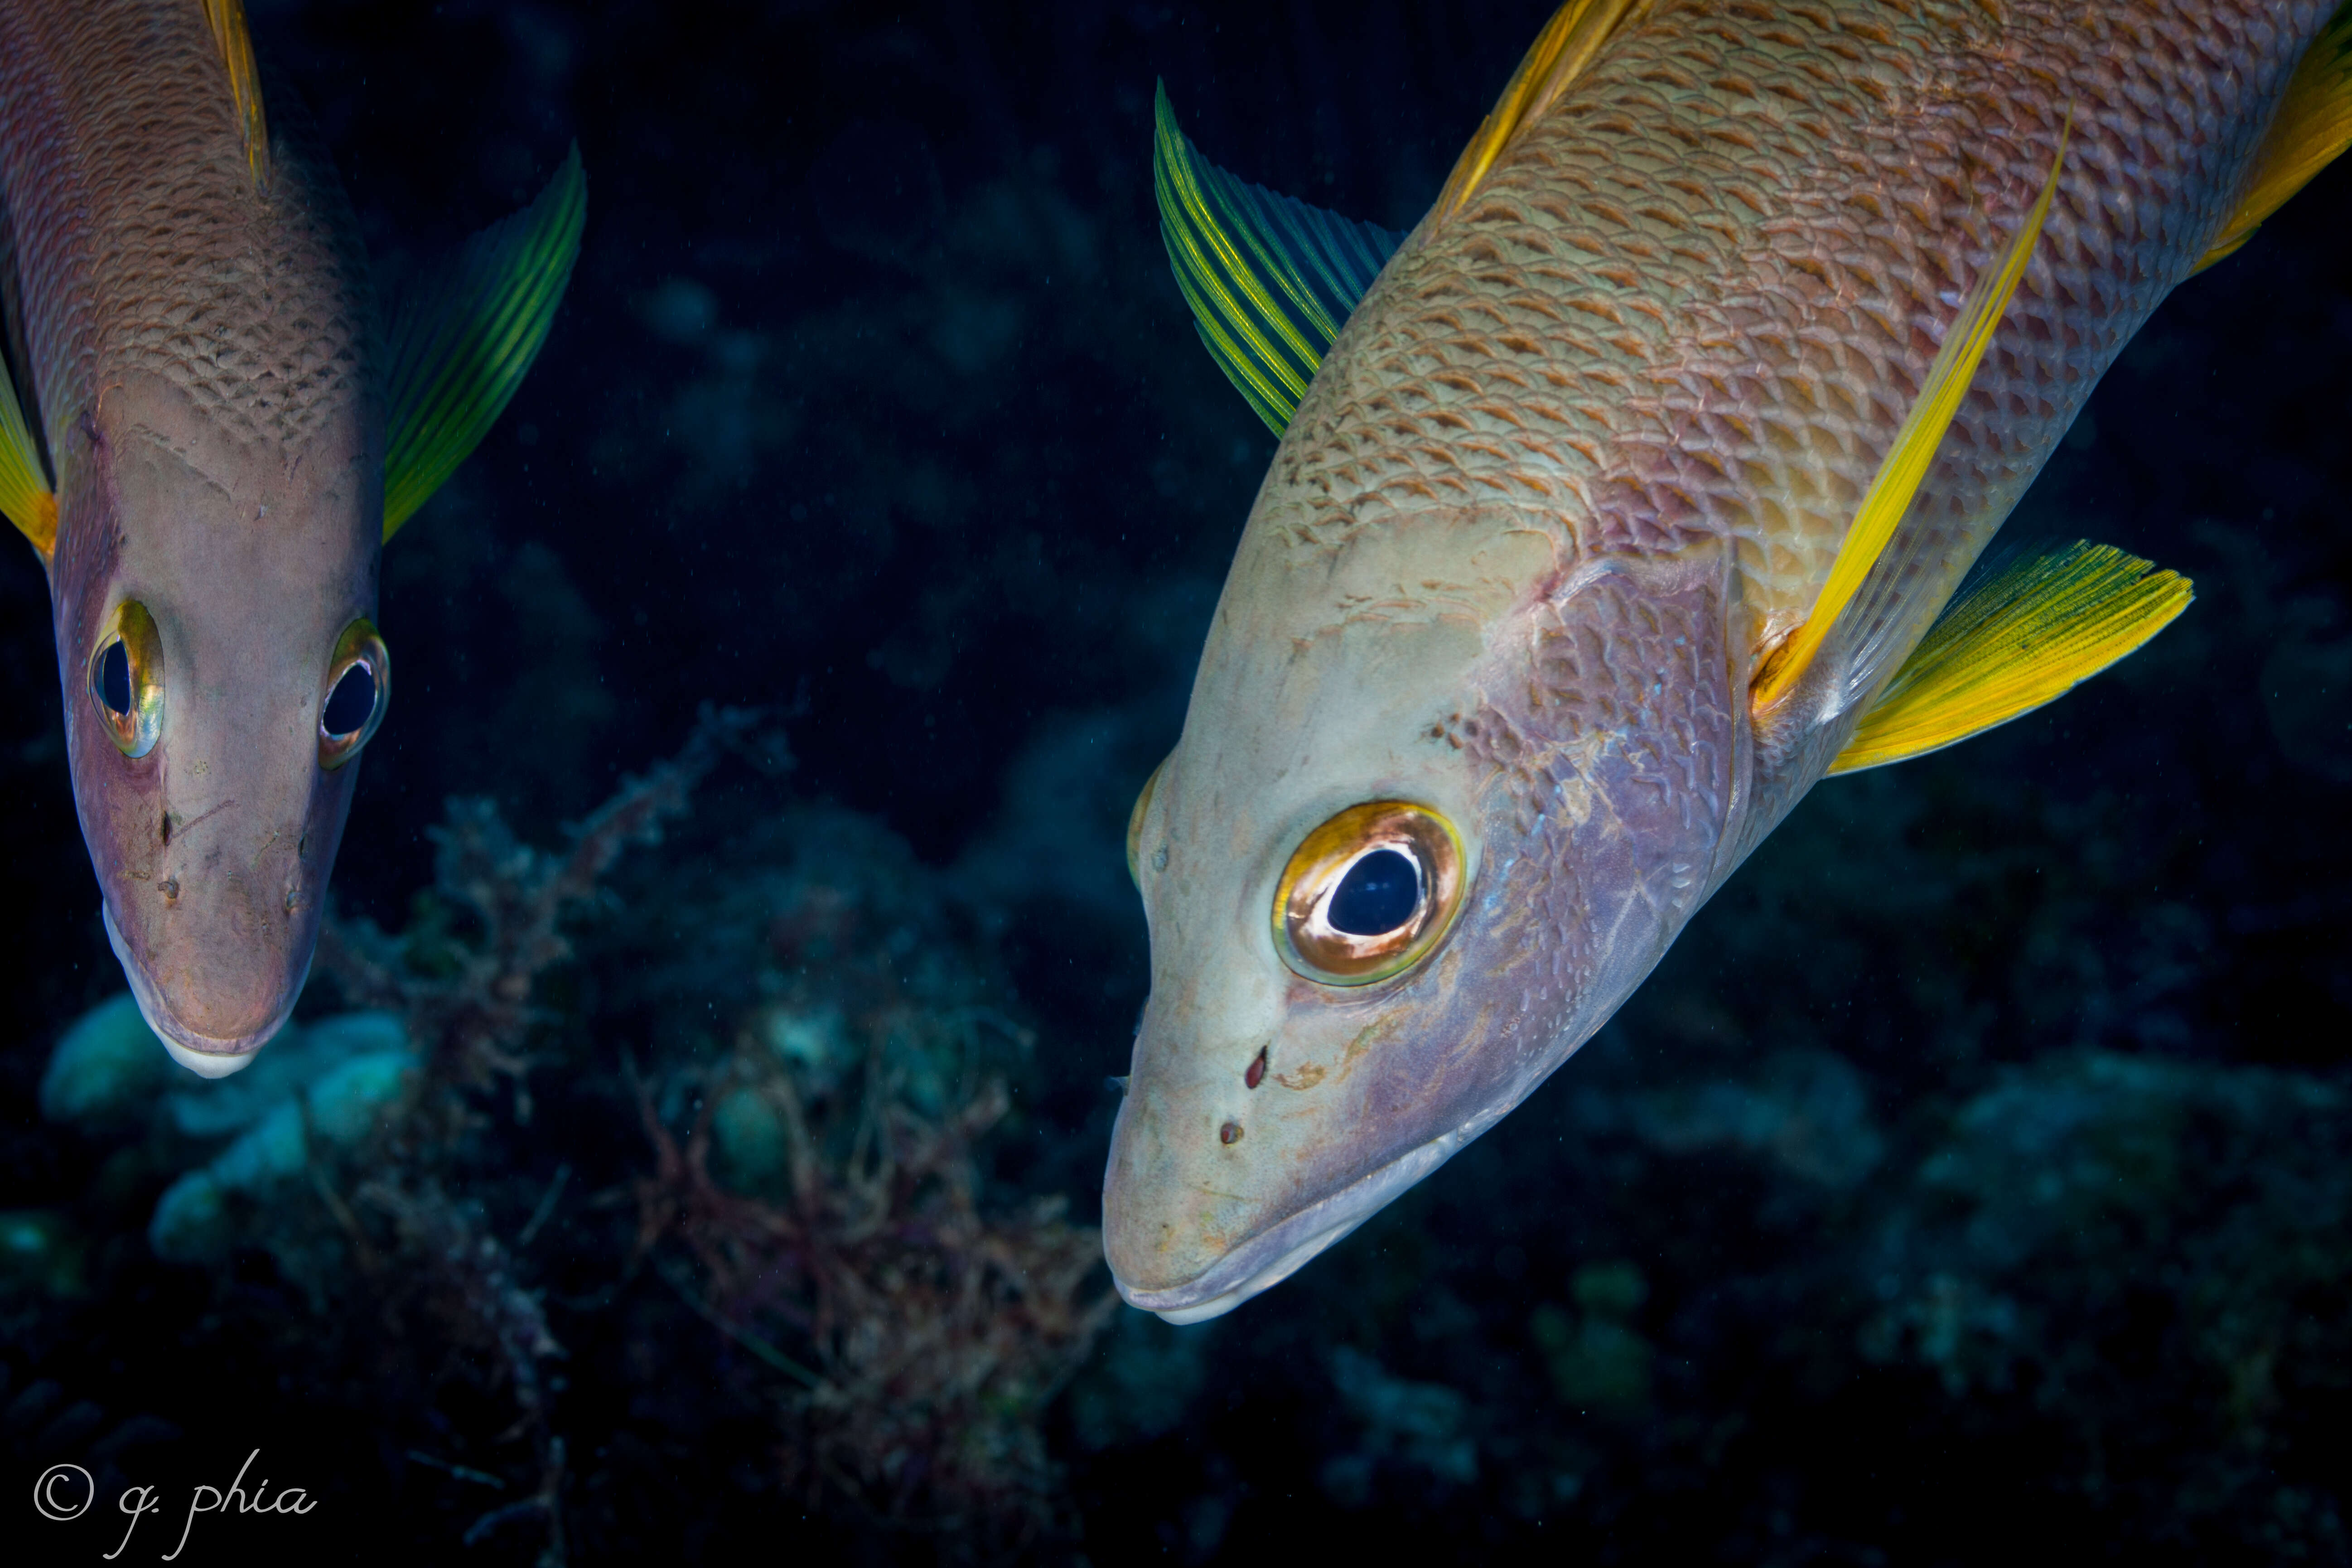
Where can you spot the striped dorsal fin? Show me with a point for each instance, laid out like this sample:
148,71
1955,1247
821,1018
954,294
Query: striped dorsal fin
467,332
1270,279
228,19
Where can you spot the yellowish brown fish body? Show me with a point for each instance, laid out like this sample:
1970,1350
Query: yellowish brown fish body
193,320
1577,466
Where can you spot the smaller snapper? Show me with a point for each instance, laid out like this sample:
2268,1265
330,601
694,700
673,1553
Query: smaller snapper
1633,490
205,434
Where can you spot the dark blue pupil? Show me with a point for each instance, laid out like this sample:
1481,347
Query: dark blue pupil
1378,894
114,678
351,703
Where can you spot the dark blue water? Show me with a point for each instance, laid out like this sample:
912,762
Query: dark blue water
1975,1170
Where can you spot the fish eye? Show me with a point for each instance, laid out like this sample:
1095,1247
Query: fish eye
351,704
114,679
1369,894
126,679
1135,823
358,691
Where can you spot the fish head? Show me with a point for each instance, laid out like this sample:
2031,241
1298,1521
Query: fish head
214,592
1444,795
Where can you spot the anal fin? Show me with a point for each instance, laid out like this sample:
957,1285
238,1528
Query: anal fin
2023,636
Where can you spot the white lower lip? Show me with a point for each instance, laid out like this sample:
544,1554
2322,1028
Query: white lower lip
1281,1251
1266,1278
200,1054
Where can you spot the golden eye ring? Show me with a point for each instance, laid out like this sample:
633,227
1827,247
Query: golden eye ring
126,679
358,691
1369,894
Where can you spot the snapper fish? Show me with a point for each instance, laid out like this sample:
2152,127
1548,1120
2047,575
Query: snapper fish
1632,491
208,436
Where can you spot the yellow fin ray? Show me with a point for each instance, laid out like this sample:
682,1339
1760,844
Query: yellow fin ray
228,19
1914,447
467,334
2313,126
1269,279
25,495
2024,636
1570,43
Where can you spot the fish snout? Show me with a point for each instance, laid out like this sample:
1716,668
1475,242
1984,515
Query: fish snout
1178,1194
218,940
1197,1218
1231,1167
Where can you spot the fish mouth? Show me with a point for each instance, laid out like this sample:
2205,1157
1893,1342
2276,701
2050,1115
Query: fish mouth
207,1056
1287,1245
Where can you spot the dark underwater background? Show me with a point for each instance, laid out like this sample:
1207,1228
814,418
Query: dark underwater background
1970,1180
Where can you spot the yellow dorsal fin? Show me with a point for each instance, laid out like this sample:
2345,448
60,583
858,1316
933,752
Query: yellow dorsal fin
25,495
1914,447
1569,42
2314,124
228,17
2022,638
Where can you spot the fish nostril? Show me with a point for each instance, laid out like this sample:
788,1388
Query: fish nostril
164,832
1257,1074
1230,1132
170,888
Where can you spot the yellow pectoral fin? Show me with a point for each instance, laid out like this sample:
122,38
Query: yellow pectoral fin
2022,638
228,17
2314,125
1914,447
1570,43
25,494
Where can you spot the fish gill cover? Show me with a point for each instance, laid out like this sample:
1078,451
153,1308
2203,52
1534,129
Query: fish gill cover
720,1176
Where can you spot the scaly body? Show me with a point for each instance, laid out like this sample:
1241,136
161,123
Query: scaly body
1575,469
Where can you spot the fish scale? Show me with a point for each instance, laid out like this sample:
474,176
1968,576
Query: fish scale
142,244
1695,301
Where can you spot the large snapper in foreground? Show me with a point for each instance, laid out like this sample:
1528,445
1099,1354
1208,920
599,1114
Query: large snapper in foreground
1619,512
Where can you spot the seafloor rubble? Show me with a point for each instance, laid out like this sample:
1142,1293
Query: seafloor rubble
807,1063
632,1155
